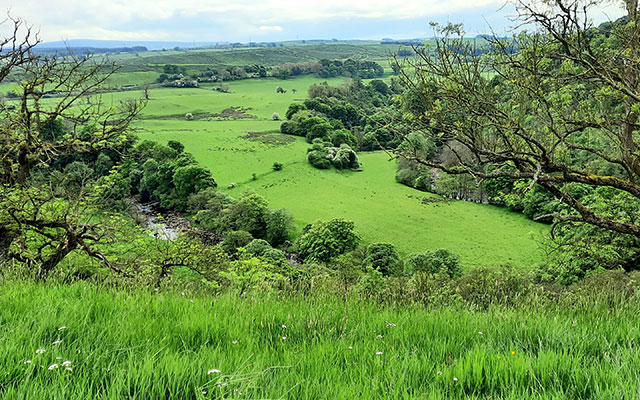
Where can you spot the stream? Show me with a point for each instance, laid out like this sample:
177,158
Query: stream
156,223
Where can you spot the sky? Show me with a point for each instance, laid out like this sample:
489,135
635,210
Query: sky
255,20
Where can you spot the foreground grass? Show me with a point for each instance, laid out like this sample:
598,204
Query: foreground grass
140,345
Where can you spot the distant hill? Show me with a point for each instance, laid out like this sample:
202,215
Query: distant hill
115,44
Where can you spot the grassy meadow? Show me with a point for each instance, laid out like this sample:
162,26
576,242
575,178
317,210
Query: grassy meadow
245,142
78,341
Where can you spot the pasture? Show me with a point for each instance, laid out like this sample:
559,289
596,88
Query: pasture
244,140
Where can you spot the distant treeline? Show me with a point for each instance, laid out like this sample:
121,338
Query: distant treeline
174,75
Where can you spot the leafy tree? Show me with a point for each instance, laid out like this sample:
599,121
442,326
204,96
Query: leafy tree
324,241
383,257
248,213
40,222
191,179
561,107
233,240
279,224
440,260
176,145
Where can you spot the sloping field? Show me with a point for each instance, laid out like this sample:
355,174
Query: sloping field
236,146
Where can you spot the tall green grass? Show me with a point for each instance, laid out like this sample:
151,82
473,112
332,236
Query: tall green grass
159,345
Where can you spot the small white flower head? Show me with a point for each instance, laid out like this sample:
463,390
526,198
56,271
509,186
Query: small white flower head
480,333
213,371
234,341
58,358
391,324
53,366
284,326
62,328
190,301
378,353
380,336
67,363
284,338
69,369
204,392
455,379
57,342
182,293
28,362
439,372
350,347
40,351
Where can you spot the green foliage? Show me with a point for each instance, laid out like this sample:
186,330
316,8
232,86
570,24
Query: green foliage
372,284
192,179
327,240
435,261
279,223
383,257
248,213
234,240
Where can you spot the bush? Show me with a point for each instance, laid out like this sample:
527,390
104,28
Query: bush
277,166
433,262
372,284
279,223
234,240
275,116
188,116
258,247
327,240
383,257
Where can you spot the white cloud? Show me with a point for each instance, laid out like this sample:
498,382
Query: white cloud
272,28
172,19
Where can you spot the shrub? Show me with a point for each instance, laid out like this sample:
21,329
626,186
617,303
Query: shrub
383,257
277,166
275,116
279,223
235,239
372,284
327,240
188,116
433,262
257,247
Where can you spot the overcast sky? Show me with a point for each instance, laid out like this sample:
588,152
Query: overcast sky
267,20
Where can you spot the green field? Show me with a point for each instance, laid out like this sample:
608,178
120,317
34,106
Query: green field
143,346
382,209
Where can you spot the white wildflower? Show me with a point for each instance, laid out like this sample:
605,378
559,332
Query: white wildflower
52,367
67,363
391,324
284,338
378,353
57,342
480,333
284,327
40,351
28,362
234,341
58,358
69,369
439,372
350,347
62,328
455,379
213,371
380,336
